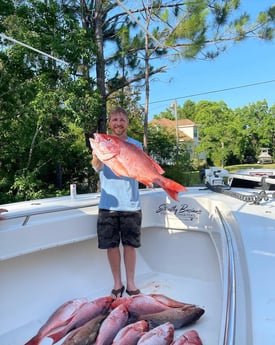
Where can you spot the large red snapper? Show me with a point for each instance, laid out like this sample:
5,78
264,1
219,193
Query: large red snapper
87,312
59,319
70,315
91,309
126,159
161,335
130,334
188,338
140,304
113,323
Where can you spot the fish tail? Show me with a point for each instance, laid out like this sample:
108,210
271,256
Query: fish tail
57,336
171,187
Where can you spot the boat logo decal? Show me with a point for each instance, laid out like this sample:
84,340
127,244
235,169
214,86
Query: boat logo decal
182,211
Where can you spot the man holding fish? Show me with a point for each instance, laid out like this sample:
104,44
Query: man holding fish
119,218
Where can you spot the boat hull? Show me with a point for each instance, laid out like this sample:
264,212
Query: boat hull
191,251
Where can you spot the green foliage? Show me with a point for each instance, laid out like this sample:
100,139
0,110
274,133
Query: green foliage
48,109
26,187
184,177
44,110
231,136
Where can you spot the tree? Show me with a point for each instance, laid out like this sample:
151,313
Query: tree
257,123
159,28
43,108
217,130
45,104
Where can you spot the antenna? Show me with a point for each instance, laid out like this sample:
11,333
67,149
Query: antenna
34,49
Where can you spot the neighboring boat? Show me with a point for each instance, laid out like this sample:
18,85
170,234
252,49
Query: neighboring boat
214,248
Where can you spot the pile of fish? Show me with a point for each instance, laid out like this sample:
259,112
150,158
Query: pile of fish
136,320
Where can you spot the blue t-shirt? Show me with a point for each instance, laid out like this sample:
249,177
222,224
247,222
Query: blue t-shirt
119,193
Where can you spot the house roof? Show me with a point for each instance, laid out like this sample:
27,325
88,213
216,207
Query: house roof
172,123
171,126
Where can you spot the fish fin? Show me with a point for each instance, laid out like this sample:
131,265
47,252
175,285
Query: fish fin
156,165
169,302
146,183
58,333
171,187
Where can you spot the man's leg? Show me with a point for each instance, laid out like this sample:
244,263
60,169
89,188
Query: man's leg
114,261
130,267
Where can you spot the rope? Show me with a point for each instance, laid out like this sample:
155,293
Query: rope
252,198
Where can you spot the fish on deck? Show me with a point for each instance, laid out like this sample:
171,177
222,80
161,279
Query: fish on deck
161,335
188,338
179,317
70,315
114,322
130,334
85,334
140,304
126,159
59,319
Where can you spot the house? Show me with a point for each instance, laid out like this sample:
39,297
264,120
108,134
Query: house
185,130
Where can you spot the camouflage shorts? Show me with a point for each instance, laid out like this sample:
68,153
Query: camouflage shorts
116,226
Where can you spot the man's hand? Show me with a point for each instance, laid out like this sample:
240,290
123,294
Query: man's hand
96,162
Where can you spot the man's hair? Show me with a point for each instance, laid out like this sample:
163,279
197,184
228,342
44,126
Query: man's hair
118,110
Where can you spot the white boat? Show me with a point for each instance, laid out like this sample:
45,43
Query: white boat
215,248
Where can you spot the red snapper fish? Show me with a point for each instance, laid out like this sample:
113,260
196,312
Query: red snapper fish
161,335
60,318
90,310
188,338
70,315
130,334
86,334
140,304
113,323
179,317
126,159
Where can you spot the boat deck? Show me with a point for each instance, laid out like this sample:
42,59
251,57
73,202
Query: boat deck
198,284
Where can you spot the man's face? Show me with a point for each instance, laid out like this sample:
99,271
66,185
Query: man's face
118,124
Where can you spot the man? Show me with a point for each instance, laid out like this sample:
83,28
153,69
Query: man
119,217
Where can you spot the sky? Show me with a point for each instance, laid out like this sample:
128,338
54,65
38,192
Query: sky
251,62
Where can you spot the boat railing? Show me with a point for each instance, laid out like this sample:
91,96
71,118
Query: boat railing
228,337
27,214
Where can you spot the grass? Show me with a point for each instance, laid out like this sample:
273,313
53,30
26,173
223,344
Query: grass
234,168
